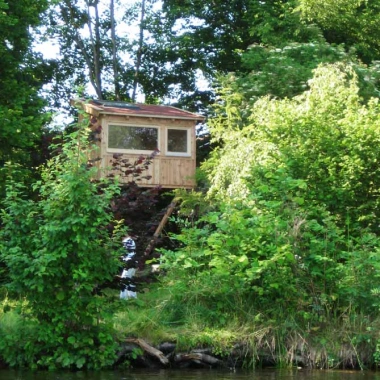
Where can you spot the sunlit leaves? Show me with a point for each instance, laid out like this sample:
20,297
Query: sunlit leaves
294,188
353,22
22,75
59,249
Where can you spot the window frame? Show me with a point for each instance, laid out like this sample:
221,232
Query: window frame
188,136
132,151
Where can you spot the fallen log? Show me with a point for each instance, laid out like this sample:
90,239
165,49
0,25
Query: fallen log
198,357
167,347
149,349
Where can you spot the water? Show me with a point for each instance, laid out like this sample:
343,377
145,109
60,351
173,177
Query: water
269,374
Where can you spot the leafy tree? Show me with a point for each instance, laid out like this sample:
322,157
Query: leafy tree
209,36
183,39
92,51
277,23
280,73
175,44
350,22
98,36
284,72
214,36
58,249
22,75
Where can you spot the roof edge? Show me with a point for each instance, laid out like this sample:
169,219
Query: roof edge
88,107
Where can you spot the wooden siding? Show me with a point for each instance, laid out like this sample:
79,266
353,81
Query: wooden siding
166,171
177,172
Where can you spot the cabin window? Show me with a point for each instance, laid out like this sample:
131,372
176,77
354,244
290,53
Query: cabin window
178,142
132,138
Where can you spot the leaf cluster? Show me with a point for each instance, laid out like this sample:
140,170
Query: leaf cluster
22,76
58,249
294,193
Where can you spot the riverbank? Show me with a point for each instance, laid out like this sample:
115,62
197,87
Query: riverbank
241,356
247,338
161,330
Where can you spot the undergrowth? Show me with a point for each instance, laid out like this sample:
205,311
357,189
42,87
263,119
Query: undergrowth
256,337
249,336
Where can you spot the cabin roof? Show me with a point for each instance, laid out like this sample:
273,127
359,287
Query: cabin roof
137,109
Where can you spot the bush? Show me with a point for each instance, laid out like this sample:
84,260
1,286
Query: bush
57,250
296,206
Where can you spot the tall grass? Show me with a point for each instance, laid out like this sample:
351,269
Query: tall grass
236,329
17,337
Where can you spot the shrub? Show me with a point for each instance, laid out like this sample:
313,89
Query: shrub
57,250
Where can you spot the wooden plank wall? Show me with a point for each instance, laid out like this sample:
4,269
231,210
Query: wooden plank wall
170,172
166,171
177,172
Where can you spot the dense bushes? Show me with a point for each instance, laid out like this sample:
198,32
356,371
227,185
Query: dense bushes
295,207
281,254
57,250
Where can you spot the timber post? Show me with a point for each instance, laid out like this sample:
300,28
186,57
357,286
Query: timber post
160,227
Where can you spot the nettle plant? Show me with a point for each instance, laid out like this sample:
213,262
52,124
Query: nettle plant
58,249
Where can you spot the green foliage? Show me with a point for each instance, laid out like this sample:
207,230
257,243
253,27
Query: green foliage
276,23
17,339
284,72
57,250
280,73
22,76
160,66
311,136
376,354
352,22
294,194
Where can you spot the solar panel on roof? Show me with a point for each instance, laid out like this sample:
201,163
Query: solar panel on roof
117,104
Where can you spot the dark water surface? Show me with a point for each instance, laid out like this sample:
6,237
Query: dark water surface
190,375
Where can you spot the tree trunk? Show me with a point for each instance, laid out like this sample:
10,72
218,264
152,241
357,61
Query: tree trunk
68,16
149,349
114,51
139,51
95,44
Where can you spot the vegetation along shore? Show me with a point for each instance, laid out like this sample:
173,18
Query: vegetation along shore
269,256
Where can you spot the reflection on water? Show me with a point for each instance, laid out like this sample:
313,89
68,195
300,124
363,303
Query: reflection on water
190,375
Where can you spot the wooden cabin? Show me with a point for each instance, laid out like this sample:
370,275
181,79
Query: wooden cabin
137,132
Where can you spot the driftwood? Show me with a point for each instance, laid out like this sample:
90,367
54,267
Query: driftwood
204,357
198,357
167,347
157,233
149,349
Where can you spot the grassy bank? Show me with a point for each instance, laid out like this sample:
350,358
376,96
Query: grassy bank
234,332
253,337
